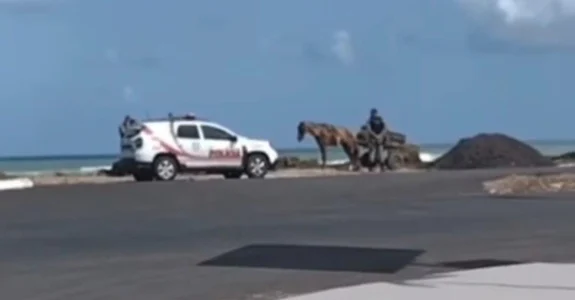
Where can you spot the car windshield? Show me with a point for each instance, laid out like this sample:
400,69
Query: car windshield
227,130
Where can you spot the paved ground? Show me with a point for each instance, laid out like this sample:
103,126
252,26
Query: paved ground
166,240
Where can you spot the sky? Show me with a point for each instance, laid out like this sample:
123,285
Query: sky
436,70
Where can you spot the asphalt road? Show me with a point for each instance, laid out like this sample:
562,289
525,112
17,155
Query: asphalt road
263,239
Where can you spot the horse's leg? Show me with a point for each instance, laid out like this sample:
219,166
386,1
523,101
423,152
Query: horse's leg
349,152
322,151
351,155
355,156
379,155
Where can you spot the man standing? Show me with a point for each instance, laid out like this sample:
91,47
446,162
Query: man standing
375,123
377,131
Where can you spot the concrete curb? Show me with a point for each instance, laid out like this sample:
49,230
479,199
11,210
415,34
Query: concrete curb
16,184
519,282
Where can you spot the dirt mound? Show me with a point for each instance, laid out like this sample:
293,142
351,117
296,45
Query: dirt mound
491,151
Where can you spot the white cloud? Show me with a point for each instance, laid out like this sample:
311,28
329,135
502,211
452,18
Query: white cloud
533,12
128,93
28,6
24,1
541,22
342,47
112,55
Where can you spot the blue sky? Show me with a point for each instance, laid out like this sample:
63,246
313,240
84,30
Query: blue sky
437,70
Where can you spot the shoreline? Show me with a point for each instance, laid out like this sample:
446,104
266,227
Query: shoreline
46,180
94,178
104,174
72,179
67,179
427,155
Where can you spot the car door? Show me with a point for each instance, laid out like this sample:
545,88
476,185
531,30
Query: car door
222,146
188,137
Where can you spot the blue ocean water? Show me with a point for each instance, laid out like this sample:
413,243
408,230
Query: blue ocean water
88,163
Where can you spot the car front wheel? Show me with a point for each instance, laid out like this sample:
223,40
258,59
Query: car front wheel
257,165
165,168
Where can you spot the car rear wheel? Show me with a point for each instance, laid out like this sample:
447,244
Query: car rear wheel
257,165
165,168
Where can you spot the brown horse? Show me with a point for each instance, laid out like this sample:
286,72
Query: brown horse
327,135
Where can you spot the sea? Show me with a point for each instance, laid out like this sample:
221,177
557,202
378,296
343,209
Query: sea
72,164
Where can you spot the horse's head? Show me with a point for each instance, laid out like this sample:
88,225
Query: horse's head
301,129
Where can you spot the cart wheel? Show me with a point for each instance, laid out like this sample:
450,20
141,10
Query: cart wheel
394,161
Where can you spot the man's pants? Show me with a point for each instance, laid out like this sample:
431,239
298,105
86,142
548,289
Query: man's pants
377,150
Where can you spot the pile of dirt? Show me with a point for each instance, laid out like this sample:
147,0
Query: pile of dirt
491,151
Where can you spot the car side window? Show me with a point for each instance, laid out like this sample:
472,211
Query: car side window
188,132
213,133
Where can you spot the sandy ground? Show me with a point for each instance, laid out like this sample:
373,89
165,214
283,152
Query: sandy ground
531,183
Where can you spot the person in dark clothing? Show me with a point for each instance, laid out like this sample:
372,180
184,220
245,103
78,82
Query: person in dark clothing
375,122
377,130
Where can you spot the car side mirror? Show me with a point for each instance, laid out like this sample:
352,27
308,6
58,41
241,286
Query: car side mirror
233,138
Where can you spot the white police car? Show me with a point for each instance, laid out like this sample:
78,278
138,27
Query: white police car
159,149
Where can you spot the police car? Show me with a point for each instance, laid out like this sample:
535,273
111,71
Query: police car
159,149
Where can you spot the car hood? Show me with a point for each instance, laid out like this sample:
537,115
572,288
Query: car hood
256,142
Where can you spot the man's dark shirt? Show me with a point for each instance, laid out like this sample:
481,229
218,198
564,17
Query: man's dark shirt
376,124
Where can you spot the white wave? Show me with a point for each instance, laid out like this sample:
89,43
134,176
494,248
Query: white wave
93,169
428,157
79,171
423,156
337,162
28,173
